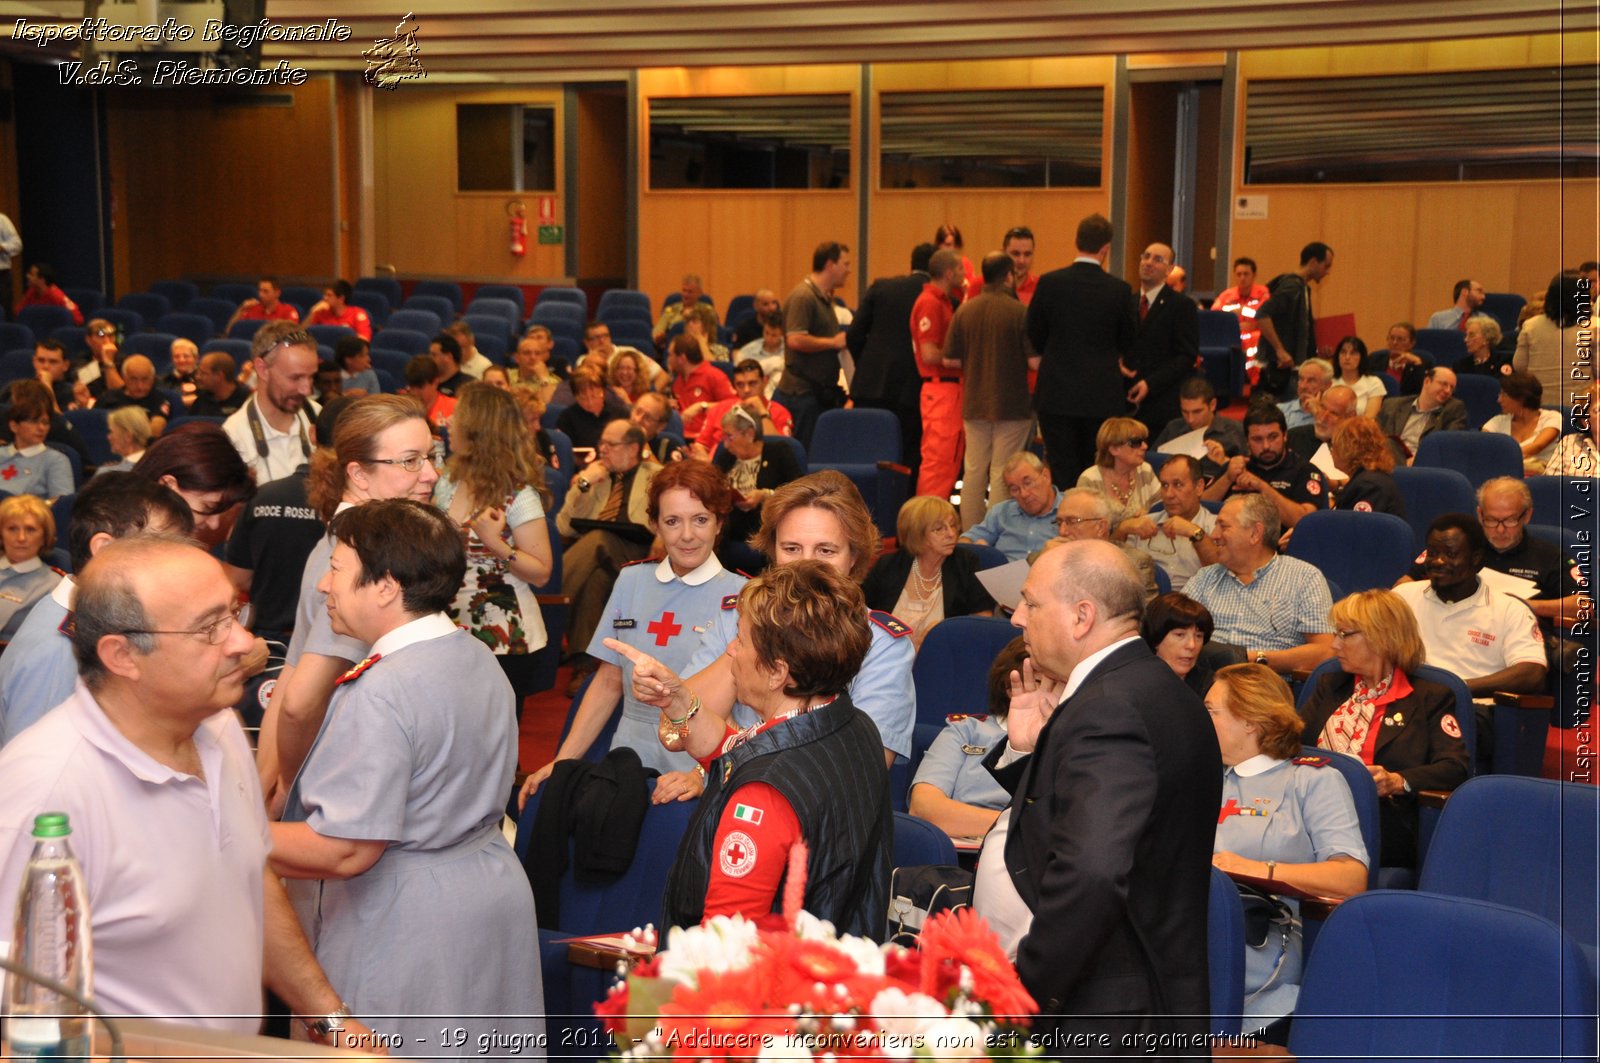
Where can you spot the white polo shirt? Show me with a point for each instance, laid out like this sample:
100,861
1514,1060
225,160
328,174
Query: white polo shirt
1483,633
173,863
285,450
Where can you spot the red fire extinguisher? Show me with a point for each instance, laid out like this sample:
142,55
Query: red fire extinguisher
519,228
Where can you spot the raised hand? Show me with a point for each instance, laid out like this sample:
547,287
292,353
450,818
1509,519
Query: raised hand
1034,697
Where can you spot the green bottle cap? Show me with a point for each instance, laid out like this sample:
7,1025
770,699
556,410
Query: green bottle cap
51,825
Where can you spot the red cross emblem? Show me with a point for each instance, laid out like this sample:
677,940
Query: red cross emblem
737,857
664,628
9,472
1230,809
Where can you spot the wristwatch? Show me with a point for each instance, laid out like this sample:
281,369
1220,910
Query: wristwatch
1196,535
1261,657
331,1023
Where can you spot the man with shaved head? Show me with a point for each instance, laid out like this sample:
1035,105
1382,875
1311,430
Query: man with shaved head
748,328
1112,766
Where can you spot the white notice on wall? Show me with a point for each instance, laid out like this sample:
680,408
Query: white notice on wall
1251,207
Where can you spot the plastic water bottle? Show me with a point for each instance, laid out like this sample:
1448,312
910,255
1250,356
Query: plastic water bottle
51,937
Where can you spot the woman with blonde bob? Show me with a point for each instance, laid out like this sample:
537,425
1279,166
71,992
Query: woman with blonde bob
1403,727
927,578
1362,453
27,530
1284,819
493,488
1121,473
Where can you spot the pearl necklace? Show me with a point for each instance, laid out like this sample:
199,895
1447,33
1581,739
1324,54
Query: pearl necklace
1121,495
921,586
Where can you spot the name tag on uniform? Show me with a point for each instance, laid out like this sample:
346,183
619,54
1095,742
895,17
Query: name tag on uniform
621,625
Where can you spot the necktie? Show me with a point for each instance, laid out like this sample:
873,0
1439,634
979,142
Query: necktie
1144,305
613,506
1462,324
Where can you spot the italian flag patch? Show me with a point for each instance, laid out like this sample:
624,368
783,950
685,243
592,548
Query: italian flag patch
748,814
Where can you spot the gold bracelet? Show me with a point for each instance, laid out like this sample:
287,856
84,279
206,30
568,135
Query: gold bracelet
694,710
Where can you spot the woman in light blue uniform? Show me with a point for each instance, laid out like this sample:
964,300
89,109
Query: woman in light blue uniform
27,529
412,899
672,609
818,517
953,790
1284,817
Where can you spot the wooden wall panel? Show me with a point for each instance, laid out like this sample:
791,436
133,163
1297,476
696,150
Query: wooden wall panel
738,241
423,225
902,219
231,191
602,154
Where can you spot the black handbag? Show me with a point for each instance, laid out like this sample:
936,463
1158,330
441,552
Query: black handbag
923,890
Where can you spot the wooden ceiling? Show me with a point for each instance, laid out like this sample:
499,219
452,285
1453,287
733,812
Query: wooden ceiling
565,40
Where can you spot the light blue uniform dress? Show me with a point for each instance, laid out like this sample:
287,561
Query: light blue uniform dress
38,670
21,585
674,619
882,689
1294,814
313,631
954,763
418,750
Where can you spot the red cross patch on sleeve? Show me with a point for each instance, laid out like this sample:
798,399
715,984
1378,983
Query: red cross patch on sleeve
737,855
1448,724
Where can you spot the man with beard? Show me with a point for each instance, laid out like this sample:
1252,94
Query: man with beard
272,432
1294,486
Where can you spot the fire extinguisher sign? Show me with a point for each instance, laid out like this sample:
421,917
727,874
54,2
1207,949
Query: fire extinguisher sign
547,210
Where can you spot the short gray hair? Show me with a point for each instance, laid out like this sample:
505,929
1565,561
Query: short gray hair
1322,365
1257,509
1102,507
1515,484
1490,327
1022,457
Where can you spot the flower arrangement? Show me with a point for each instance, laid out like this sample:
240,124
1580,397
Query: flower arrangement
787,987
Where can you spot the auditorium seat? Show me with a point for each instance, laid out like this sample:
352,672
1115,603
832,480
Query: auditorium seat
1428,493
88,300
437,305
1480,395
72,338
376,304
196,328
1478,456
244,330
513,292
1221,356
1569,501
416,319
1505,308
156,346
1225,954
502,328
573,296
618,297
238,350
951,672
1404,975
217,311
91,424
177,293
865,446
127,321
15,337
330,335
406,341
1358,551
233,293
448,290
392,362
42,320
506,308
918,842
302,297
16,364
147,305
387,287
1447,345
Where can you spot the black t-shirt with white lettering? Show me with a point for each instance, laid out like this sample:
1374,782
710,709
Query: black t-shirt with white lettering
276,532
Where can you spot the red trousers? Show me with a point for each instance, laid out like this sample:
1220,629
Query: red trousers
942,440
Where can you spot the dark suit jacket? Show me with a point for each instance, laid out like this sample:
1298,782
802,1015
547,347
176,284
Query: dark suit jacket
1112,823
1394,413
1080,321
880,341
963,594
1165,346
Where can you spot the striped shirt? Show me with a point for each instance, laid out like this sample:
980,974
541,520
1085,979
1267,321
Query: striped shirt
1285,602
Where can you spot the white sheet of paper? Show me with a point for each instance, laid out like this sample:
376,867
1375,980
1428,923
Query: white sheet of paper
1323,460
1190,443
1004,584
1508,584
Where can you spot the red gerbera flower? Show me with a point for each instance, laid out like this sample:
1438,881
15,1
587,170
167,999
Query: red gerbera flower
724,1018
961,938
613,1010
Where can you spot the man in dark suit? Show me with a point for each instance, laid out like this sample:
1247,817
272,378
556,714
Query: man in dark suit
886,366
1108,840
1405,419
1081,322
1166,343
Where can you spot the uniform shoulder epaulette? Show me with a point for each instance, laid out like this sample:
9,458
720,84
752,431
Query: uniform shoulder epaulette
1312,761
730,601
957,717
60,572
69,624
643,561
890,623
356,672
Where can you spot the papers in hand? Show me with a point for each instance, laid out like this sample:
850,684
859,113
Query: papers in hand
1515,586
1323,460
1004,584
1191,443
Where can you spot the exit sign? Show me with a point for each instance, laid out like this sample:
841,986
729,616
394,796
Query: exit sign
552,234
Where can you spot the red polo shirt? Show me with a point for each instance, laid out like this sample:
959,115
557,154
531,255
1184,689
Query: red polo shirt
704,383
930,323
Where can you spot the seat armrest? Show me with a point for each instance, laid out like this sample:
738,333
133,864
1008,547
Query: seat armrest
896,467
1432,798
1536,702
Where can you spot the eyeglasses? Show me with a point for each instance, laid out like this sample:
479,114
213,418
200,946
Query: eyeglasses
411,464
1073,522
215,633
1345,634
1140,441
1509,522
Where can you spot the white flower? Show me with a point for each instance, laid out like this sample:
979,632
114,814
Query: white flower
721,944
902,1020
953,1039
